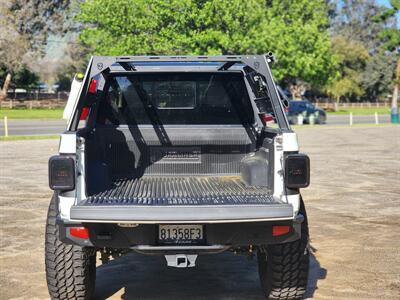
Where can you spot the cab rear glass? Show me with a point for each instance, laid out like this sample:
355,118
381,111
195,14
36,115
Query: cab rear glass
176,98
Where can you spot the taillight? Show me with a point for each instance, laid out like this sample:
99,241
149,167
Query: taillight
280,230
61,173
297,170
84,113
79,232
267,118
93,86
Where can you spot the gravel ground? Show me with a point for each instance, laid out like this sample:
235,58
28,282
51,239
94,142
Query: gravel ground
354,214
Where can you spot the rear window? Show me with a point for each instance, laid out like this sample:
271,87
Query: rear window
176,98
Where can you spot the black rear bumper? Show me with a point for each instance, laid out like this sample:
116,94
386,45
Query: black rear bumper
229,234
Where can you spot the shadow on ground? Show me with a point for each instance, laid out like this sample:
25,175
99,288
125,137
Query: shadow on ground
316,273
223,276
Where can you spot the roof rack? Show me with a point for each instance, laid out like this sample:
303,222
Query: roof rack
101,63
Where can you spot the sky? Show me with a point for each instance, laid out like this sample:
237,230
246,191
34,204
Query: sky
383,2
387,3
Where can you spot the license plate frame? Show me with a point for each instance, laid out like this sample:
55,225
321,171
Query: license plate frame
180,234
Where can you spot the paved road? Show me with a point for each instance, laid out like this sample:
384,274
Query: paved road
33,127
43,127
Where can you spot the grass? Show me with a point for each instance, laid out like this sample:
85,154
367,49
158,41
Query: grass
28,137
36,113
362,111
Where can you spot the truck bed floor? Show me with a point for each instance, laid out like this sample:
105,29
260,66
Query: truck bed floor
174,191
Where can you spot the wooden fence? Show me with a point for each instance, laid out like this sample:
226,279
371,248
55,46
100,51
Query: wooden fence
24,95
31,104
330,106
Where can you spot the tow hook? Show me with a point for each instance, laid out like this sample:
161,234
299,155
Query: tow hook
181,260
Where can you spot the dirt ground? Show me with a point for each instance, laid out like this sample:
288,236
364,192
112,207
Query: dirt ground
354,214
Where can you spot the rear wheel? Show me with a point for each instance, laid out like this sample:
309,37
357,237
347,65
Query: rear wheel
70,269
283,268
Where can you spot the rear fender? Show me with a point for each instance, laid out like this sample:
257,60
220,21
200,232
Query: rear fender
285,142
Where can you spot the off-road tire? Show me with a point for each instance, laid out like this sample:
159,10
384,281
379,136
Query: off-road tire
283,268
70,269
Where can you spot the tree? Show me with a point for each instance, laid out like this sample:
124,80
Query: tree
351,57
354,19
296,31
378,75
13,47
26,25
365,24
391,43
36,19
23,78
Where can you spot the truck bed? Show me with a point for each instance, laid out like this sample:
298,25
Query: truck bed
181,191
181,200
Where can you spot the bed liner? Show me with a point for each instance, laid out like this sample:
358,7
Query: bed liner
203,190
182,200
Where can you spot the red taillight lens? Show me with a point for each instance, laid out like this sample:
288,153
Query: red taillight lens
85,112
265,118
93,86
79,232
280,230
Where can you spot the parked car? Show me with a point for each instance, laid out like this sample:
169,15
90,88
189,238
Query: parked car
305,110
177,159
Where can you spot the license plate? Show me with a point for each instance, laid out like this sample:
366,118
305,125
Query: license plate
180,234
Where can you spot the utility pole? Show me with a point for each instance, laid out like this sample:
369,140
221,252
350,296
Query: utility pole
394,113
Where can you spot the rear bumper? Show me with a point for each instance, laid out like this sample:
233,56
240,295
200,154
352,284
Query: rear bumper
228,235
140,214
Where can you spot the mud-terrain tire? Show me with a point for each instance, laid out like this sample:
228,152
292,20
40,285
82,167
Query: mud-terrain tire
70,269
283,268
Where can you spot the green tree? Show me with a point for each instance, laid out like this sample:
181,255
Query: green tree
390,35
23,78
296,31
351,56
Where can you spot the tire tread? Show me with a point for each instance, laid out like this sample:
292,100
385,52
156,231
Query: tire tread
283,268
70,269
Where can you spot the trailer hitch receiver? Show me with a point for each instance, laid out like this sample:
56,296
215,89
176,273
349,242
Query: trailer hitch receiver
181,260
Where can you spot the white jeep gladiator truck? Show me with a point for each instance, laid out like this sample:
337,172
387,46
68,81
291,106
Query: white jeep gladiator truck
177,156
